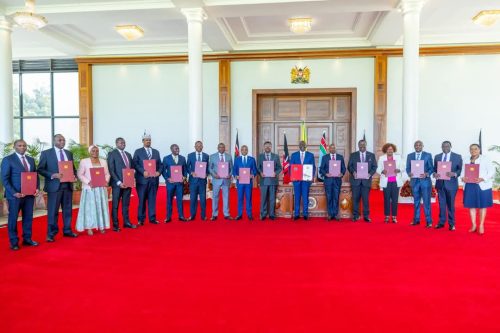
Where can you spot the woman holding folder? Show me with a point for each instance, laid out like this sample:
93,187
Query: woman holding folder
94,209
389,168
478,179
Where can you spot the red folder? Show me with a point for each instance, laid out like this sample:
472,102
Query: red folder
176,173
201,169
128,177
97,177
390,168
268,169
244,176
28,183
471,172
443,168
334,168
150,167
66,168
223,169
417,168
296,174
362,170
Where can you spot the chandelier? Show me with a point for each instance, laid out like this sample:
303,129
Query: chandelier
28,19
130,32
300,25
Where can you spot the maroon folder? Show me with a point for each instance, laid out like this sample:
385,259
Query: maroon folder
362,170
97,177
176,173
244,176
223,169
390,168
66,169
443,168
201,169
128,177
471,172
334,168
268,169
296,174
417,168
28,183
150,167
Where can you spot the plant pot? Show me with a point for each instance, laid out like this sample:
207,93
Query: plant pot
77,194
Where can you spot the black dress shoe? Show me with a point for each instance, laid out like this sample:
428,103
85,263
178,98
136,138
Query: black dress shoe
228,217
167,220
14,247
70,234
129,225
439,226
250,218
295,218
50,239
140,223
29,242
203,219
428,225
191,218
237,218
154,222
305,218
263,218
271,217
355,219
367,219
182,219
337,218
213,218
452,228
415,223
116,229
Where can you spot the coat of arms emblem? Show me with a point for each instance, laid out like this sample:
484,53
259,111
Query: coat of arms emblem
300,75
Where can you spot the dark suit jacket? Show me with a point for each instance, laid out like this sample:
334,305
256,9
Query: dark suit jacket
308,159
139,156
11,173
324,168
191,164
456,166
168,161
238,163
428,165
277,169
116,165
352,165
49,165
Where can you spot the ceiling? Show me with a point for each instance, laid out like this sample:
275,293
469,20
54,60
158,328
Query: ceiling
85,27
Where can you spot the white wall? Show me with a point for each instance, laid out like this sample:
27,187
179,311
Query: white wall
459,95
129,99
329,73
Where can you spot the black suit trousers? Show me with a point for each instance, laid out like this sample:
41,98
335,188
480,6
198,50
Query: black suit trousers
360,192
147,196
123,195
16,205
62,198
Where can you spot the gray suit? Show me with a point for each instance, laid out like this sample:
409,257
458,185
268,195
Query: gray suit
268,185
219,184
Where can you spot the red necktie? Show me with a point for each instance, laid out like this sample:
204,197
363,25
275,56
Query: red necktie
26,167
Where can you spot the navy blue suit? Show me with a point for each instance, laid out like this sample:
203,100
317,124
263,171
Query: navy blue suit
12,168
301,188
332,184
361,187
197,186
116,164
146,187
176,189
421,187
245,190
447,189
59,195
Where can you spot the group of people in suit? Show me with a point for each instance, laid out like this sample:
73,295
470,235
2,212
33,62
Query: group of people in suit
94,209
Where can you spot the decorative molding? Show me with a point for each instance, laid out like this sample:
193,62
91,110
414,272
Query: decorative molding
410,6
225,102
380,104
194,14
86,104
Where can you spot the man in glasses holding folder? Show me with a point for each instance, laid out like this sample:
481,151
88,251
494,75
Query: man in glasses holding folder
332,168
269,167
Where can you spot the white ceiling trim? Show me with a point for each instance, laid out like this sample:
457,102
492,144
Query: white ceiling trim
226,28
302,44
165,49
210,3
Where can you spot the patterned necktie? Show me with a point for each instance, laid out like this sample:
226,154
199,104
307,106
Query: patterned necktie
199,157
221,157
268,157
61,155
175,158
332,157
362,157
149,153
125,159
418,156
26,167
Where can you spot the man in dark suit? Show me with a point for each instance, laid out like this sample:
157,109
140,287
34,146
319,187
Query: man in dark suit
146,184
421,186
12,167
301,187
332,182
268,185
197,184
174,188
361,187
447,189
59,194
220,183
119,159
244,190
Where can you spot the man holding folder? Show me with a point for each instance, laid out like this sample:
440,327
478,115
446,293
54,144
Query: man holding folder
332,169
447,168
56,166
221,167
244,171
197,162
302,160
269,168
174,172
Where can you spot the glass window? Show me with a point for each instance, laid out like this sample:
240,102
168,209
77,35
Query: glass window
15,94
17,128
36,94
68,127
66,102
37,129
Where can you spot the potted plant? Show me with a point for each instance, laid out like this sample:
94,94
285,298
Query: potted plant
104,150
79,152
6,149
496,180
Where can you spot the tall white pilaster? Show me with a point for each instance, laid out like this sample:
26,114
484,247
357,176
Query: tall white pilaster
6,112
195,17
411,35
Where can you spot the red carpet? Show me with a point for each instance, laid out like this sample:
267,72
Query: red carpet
257,277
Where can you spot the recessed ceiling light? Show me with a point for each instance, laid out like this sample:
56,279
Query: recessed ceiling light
300,25
130,32
487,17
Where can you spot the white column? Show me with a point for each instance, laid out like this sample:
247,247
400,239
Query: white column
195,17
411,21
6,112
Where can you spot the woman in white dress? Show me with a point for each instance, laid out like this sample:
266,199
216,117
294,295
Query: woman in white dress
94,207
